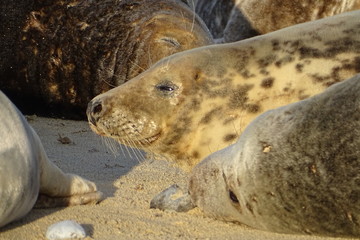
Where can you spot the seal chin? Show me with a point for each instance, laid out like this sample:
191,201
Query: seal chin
95,129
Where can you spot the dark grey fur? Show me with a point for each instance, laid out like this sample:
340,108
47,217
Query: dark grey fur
57,55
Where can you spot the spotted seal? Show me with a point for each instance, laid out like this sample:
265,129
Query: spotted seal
233,20
295,169
27,175
196,102
60,54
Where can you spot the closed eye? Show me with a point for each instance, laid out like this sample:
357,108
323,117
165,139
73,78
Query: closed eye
171,41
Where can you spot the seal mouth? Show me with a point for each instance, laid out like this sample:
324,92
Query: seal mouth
148,141
95,129
142,142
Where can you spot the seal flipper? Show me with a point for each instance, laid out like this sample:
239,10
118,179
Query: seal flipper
168,200
62,189
91,198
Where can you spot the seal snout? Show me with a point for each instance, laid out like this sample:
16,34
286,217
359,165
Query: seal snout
94,111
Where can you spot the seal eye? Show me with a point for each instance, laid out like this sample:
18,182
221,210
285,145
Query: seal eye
171,41
166,88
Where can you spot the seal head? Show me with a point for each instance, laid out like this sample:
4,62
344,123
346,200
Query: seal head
294,169
68,52
196,102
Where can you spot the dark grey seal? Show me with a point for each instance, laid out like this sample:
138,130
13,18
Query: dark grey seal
60,54
234,20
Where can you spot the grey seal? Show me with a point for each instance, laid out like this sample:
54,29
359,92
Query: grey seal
234,20
27,176
196,102
58,55
295,169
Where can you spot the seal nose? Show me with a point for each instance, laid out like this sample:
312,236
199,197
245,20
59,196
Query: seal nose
94,111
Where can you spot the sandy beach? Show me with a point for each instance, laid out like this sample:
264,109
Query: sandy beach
128,181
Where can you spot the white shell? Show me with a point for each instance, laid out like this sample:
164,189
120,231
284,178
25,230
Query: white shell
65,230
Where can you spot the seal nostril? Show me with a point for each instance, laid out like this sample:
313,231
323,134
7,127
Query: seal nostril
97,108
233,197
93,121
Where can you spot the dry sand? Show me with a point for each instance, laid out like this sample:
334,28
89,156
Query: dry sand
128,185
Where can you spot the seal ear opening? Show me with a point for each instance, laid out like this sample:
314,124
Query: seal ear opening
197,75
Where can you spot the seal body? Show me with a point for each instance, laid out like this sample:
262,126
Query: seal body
63,53
295,169
25,171
197,102
233,20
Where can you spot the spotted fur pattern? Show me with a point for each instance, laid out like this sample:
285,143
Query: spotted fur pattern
199,101
295,169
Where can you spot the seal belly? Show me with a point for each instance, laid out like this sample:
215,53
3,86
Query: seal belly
19,169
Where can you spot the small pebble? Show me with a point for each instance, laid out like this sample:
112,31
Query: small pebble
68,229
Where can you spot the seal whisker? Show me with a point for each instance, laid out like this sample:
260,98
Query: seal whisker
235,129
209,148
132,147
194,16
140,154
111,145
182,16
108,83
122,149
119,76
165,67
128,146
137,65
150,62
241,124
127,149
136,151
141,142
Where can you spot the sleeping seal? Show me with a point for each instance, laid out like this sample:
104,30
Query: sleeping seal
233,20
59,54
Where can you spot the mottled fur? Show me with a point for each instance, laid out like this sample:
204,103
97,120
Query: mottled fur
199,101
295,169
